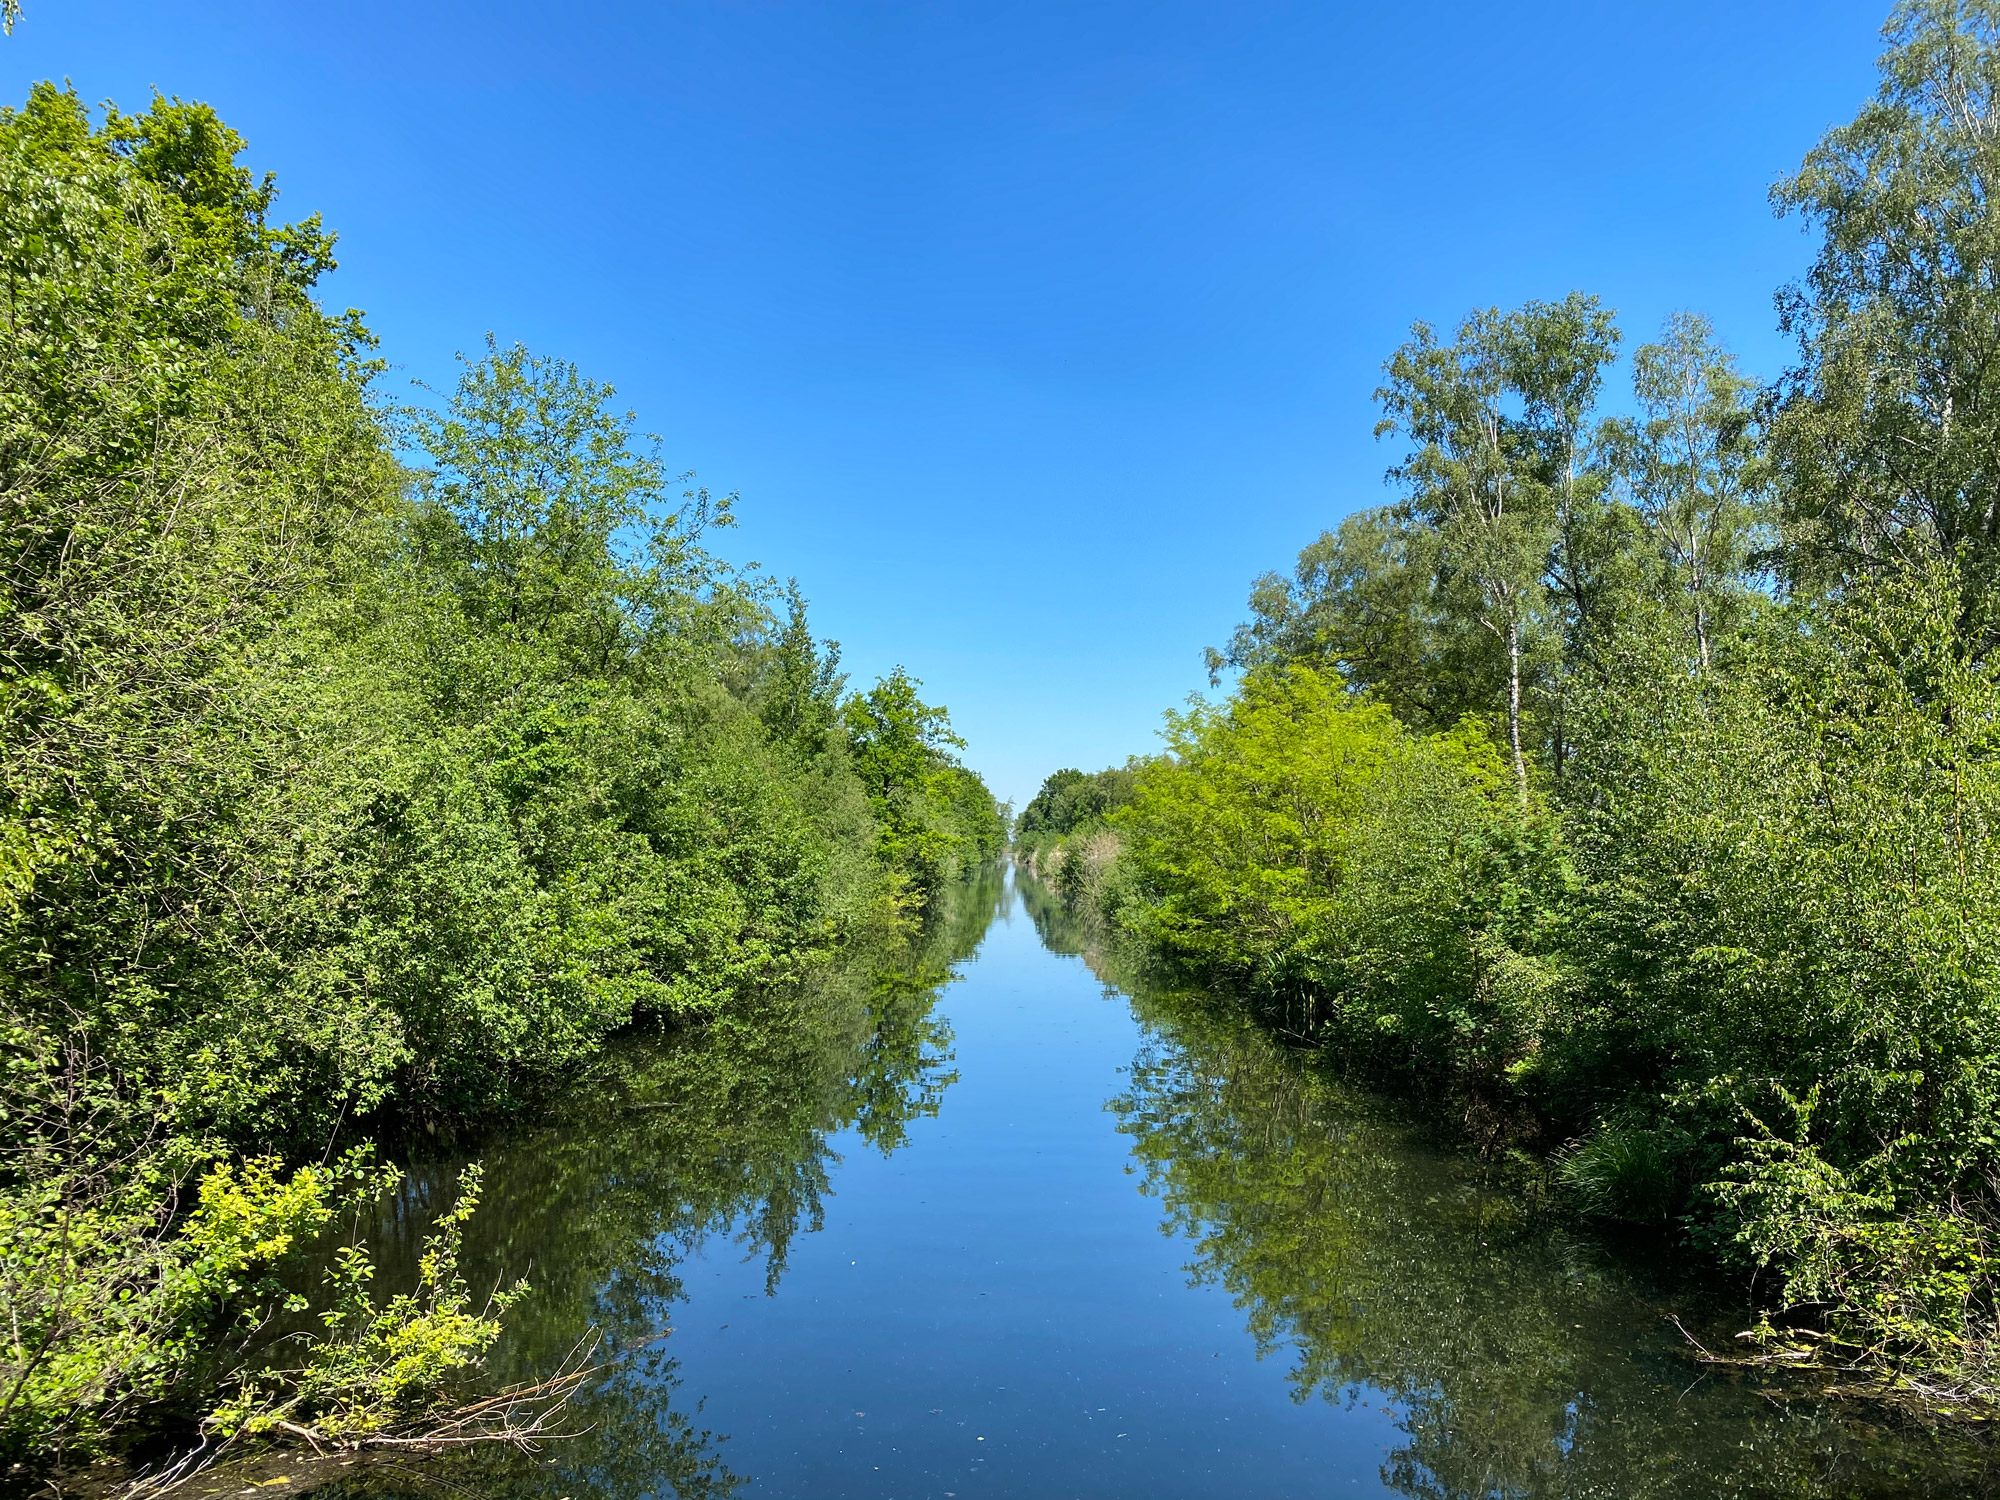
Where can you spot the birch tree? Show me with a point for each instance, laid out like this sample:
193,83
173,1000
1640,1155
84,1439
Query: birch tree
1693,468
1497,423
1889,426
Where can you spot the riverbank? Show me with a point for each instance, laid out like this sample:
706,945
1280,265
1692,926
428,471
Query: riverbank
1100,1238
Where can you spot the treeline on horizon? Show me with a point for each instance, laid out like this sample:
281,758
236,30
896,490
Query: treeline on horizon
1634,780
362,768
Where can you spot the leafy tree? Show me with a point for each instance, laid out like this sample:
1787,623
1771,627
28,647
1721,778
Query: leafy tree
554,526
1305,844
803,687
1365,600
1695,471
1886,429
1470,483
1557,353
936,817
1496,470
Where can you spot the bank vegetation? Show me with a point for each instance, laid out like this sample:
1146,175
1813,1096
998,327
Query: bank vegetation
365,763
1628,776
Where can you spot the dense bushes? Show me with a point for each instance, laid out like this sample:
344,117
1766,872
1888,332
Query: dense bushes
1304,845
1717,916
357,765
1743,957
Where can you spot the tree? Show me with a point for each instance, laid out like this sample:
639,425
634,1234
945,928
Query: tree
1888,428
1466,480
1365,600
1496,466
1557,354
1692,463
802,688
1555,361
558,523
933,813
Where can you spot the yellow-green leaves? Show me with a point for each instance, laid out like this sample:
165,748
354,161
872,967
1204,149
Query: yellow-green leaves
1299,836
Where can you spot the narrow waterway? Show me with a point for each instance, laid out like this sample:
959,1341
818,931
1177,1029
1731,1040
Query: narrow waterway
1024,1234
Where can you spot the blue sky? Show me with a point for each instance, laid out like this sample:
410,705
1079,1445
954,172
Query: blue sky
1028,333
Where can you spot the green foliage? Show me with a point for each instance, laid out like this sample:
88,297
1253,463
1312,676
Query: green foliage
1304,842
1695,472
1909,1288
340,793
110,1307
1494,475
1632,1173
1064,832
722,1140
1364,601
1069,802
1886,429
1245,829
378,1368
937,819
1512,1356
1738,939
1763,878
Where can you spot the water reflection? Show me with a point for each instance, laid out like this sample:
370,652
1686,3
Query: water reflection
674,1144
1373,1271
1520,1359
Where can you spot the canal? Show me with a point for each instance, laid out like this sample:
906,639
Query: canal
980,1222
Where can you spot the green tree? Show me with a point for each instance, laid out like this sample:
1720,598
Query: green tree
564,528
1496,470
1365,599
802,688
1468,480
1695,471
1887,428
937,818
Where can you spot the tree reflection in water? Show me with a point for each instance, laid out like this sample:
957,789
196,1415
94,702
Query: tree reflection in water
1520,1357
677,1141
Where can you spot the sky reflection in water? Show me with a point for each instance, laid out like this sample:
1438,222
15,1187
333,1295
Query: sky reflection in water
1023,1235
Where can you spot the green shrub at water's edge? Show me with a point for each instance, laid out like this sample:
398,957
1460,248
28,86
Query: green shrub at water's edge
1299,841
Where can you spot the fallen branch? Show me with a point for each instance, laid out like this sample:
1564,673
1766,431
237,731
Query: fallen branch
522,1417
1879,1380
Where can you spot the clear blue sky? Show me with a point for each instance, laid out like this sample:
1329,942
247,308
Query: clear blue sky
1029,333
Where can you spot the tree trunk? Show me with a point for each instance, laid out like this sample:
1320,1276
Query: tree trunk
1514,704
1700,592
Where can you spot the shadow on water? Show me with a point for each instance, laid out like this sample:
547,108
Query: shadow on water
1522,1358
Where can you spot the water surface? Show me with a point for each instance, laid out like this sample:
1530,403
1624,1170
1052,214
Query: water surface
1023,1234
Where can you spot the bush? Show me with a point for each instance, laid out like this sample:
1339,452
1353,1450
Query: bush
1301,841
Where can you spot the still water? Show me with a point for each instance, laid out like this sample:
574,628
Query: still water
977,1223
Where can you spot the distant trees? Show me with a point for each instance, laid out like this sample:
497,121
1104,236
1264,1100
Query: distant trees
1070,800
